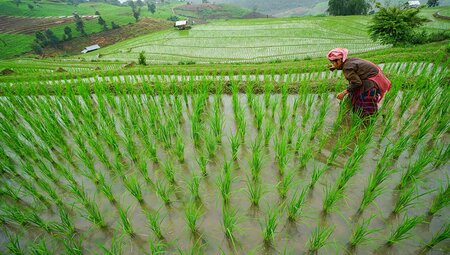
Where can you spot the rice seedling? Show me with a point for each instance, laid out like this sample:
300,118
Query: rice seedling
216,125
66,221
442,235
134,187
332,195
194,186
14,245
295,205
242,126
291,130
125,222
441,155
374,189
319,238
405,102
157,247
284,184
224,183
169,172
273,107
259,114
403,229
361,232
235,143
202,162
116,247
230,221
257,160
179,148
441,200
268,87
154,222
281,153
211,144
163,191
268,132
254,191
407,199
284,116
40,249
192,214
307,112
270,225
93,214
316,174
306,156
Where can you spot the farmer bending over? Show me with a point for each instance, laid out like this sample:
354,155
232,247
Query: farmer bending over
367,83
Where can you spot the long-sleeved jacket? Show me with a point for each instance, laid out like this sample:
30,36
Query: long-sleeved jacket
356,71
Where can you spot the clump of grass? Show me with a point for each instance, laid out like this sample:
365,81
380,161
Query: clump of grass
332,195
154,222
14,245
294,207
157,247
192,214
169,172
270,224
402,230
442,235
316,174
259,114
179,148
211,144
256,161
361,232
268,132
235,142
319,238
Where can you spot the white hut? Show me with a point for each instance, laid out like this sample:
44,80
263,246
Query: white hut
90,48
413,4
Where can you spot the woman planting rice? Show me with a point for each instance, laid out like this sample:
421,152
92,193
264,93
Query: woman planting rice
367,83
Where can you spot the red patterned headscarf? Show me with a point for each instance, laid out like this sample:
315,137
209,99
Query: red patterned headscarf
338,53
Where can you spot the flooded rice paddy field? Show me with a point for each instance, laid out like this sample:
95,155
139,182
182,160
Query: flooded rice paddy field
108,139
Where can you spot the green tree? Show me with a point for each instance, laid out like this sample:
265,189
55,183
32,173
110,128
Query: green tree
79,24
41,39
67,33
37,48
151,7
142,59
433,3
114,25
394,25
136,13
102,23
347,7
53,40
31,7
17,2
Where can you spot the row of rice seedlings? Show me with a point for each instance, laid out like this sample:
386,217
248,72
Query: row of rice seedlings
361,232
192,214
281,152
441,200
407,199
319,238
402,231
270,224
295,205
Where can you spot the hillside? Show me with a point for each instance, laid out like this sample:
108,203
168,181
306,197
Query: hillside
256,40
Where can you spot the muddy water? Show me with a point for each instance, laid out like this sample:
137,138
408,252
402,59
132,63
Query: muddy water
290,237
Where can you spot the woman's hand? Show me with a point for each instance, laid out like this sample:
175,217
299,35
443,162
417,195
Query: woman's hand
341,95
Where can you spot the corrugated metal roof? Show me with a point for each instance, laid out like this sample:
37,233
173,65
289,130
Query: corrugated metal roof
181,23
